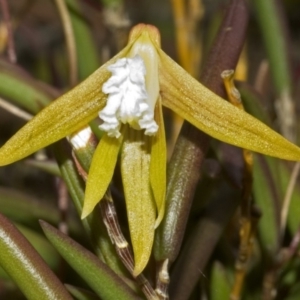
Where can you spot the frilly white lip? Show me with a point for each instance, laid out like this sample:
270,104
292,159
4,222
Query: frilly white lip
127,100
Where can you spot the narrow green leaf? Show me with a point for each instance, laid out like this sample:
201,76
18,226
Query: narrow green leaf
265,190
26,209
253,102
219,286
48,166
87,54
42,246
105,283
19,87
272,28
25,266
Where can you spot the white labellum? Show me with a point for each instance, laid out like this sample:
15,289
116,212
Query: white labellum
127,100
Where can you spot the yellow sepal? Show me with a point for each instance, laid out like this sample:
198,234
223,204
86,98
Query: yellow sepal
101,172
69,113
141,209
191,100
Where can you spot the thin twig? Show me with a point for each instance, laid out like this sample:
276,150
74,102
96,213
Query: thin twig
284,256
122,247
15,110
70,40
63,204
249,219
288,197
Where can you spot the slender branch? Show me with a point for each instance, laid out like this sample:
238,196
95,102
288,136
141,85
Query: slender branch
248,219
63,204
15,110
122,247
288,197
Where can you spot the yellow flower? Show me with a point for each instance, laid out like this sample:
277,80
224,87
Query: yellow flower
128,93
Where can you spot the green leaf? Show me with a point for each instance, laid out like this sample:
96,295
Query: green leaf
26,209
265,190
25,266
22,89
105,283
42,246
219,285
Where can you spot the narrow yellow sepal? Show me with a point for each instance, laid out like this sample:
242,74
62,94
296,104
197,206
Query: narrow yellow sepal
158,164
69,113
101,172
218,118
141,209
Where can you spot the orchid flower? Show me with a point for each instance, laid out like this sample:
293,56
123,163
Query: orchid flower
127,94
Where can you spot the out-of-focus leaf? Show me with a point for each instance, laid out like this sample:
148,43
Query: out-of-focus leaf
280,174
219,286
86,49
98,276
253,103
22,89
293,220
47,166
27,209
266,196
294,293
272,24
25,266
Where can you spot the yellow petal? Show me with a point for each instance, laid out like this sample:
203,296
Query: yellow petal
67,114
218,118
141,210
101,172
158,164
